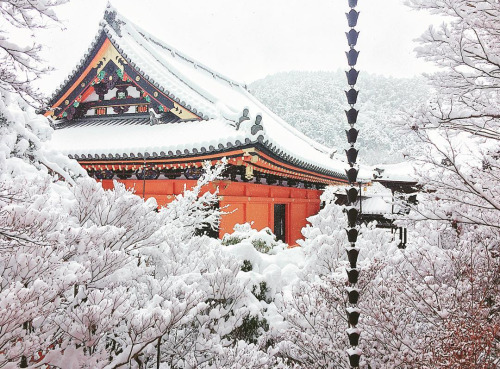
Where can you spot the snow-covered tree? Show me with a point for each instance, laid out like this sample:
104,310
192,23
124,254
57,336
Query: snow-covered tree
94,278
313,334
460,127
20,62
314,103
35,239
435,305
443,290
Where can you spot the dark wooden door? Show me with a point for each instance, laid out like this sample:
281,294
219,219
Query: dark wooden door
279,221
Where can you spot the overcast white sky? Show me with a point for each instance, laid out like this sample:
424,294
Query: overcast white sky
249,39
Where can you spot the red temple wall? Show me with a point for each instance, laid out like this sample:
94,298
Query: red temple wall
244,202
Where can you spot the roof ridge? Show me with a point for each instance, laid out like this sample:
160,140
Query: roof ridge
149,37
219,97
71,74
193,61
75,70
196,63
111,30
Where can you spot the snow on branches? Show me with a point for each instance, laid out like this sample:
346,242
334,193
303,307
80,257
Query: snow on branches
460,127
94,278
454,256
460,160
20,64
466,47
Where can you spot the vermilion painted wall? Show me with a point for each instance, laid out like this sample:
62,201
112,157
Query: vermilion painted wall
244,202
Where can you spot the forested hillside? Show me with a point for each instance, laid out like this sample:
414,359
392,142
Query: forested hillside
314,103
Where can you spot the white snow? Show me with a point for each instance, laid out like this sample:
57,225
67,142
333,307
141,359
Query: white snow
120,139
216,97
404,171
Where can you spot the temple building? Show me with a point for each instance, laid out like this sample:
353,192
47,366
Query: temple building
139,111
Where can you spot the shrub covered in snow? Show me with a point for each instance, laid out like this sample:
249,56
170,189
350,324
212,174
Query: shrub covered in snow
95,278
263,240
313,308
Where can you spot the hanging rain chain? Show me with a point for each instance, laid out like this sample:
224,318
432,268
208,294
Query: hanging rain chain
352,193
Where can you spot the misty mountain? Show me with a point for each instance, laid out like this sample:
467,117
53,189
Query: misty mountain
314,103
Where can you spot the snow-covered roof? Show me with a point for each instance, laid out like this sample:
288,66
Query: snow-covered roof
376,199
218,100
403,172
377,205
118,137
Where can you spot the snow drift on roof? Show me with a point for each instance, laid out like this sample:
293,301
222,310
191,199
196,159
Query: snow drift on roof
218,99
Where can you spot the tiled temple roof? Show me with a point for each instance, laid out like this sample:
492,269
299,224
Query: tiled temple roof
218,100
